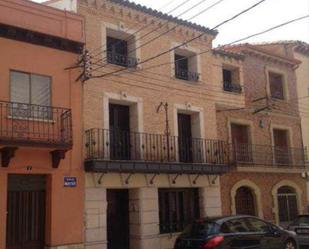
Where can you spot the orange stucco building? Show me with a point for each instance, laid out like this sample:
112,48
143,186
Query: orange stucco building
41,181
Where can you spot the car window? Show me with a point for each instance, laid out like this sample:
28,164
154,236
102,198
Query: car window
301,220
235,226
256,225
201,228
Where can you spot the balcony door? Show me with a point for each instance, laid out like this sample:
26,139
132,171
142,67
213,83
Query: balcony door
119,123
241,142
185,138
281,150
25,212
181,67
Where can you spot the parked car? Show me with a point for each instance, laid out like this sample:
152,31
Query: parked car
301,227
235,232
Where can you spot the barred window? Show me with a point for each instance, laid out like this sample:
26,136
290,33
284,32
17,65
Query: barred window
245,201
287,202
177,208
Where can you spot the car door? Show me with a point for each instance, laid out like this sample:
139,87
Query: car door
238,235
269,237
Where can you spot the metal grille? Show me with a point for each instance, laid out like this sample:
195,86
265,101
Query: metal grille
287,204
106,145
245,202
29,124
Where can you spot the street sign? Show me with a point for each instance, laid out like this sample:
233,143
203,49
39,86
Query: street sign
70,182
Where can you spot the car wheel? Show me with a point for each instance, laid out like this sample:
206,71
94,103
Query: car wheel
290,245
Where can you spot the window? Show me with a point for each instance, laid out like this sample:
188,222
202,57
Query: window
231,79
121,49
276,85
287,204
235,226
177,208
30,94
245,201
186,65
257,226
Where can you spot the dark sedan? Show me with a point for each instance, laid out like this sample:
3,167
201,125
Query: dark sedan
301,227
235,232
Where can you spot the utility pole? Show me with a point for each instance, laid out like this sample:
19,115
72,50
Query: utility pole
167,128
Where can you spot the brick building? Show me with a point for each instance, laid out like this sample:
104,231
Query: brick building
40,142
265,137
145,179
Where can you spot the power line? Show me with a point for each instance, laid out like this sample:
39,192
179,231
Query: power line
167,31
190,40
228,44
143,27
177,25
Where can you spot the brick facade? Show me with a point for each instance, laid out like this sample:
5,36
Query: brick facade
282,114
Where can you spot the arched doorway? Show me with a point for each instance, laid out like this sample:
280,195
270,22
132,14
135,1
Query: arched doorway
245,201
287,204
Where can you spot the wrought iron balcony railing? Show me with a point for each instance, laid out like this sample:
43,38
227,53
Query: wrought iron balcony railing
186,75
248,154
35,125
116,145
232,87
121,60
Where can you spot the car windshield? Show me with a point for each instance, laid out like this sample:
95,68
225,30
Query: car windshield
302,220
201,228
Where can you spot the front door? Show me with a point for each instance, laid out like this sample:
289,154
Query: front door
119,123
118,219
25,212
184,138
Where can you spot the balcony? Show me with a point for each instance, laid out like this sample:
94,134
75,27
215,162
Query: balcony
130,152
232,87
186,75
269,156
35,126
121,60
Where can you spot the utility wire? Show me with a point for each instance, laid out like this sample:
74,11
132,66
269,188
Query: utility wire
170,29
131,36
226,45
188,41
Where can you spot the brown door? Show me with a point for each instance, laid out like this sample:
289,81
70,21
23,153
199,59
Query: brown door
184,138
241,142
25,212
281,143
118,219
119,122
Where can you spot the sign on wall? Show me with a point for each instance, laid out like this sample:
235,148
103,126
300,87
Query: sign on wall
70,182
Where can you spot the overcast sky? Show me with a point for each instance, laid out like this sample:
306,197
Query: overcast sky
268,14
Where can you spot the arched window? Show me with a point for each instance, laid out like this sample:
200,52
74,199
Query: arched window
245,201
287,204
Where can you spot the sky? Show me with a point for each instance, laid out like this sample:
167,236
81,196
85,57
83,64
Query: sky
266,15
